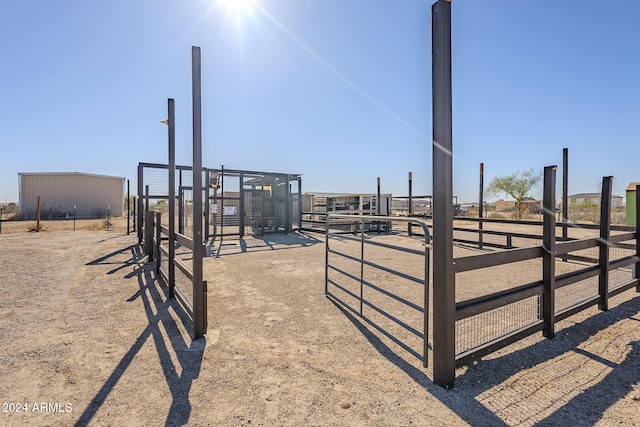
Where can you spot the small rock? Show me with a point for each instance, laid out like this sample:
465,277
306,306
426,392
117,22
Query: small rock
345,405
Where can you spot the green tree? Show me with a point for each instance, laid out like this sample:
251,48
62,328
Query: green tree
516,185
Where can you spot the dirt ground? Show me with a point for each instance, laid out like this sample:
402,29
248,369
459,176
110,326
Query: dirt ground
89,338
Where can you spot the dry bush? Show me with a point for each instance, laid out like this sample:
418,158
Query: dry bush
34,227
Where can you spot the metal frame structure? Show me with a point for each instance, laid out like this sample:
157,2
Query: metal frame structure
278,210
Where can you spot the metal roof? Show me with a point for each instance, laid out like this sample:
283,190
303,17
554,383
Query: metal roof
69,173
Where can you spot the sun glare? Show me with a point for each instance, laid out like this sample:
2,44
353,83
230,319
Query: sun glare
236,6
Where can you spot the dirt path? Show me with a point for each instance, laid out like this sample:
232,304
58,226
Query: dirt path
88,332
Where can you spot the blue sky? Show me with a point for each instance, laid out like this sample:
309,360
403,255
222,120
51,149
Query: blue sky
337,90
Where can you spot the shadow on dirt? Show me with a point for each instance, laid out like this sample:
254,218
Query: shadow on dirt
585,408
159,311
238,245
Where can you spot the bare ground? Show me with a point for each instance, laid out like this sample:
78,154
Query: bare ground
88,332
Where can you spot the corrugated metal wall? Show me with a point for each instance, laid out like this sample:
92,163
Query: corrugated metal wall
92,194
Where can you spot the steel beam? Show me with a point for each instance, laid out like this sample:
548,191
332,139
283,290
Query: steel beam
199,314
171,111
548,254
481,205
444,297
565,195
605,232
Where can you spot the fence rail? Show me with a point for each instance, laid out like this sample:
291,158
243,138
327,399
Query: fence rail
490,322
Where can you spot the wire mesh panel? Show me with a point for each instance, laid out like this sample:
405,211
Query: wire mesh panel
490,326
619,277
575,294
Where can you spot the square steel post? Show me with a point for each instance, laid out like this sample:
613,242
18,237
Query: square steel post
140,219
199,314
180,204
128,208
171,117
300,203
605,232
158,236
410,208
444,295
242,206
287,207
549,253
565,196
481,206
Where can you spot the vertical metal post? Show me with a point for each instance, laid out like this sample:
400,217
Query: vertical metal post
38,216
410,210
549,255
135,203
199,315
287,206
221,203
128,208
378,198
205,208
180,204
565,196
444,294
171,118
326,254
0,219
74,217
156,249
300,203
148,235
242,206
362,264
605,232
425,339
140,216
481,206
146,216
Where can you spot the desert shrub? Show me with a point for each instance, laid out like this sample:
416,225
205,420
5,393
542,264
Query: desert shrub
99,213
587,211
34,227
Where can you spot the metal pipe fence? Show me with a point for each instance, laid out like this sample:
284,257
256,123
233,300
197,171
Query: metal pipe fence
491,322
369,275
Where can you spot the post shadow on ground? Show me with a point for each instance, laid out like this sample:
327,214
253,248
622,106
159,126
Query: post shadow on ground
267,242
487,374
189,355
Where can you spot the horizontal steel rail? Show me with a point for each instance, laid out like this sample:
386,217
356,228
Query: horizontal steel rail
492,259
490,302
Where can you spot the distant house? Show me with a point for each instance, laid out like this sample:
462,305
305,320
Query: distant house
631,203
529,203
616,201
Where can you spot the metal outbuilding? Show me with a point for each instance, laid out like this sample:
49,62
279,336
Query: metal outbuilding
92,195
631,203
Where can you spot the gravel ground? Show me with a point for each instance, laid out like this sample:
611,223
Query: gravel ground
89,337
